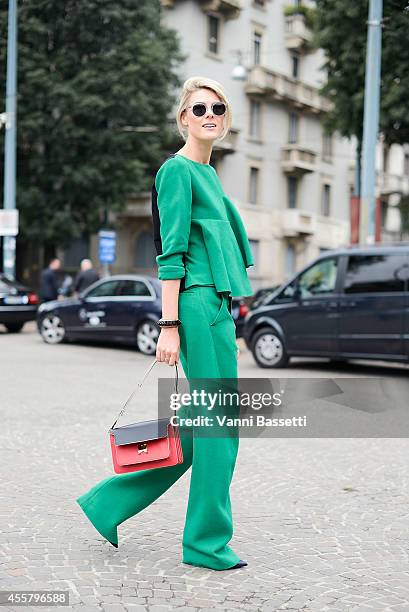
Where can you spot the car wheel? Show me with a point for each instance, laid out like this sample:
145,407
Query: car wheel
268,349
147,335
14,328
52,329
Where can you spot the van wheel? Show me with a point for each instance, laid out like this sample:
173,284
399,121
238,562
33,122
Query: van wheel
268,349
14,328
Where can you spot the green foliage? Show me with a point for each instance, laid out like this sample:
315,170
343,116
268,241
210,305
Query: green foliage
341,31
308,12
86,69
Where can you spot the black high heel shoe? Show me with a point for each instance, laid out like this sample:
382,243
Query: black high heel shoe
240,563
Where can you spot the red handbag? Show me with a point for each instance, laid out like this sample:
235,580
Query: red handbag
147,444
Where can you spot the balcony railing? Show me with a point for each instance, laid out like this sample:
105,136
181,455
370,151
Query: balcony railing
230,9
275,86
297,160
392,183
295,222
297,34
228,144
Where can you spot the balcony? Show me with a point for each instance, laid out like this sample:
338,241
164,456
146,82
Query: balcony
297,160
229,9
296,222
297,33
137,205
271,85
332,233
389,184
228,145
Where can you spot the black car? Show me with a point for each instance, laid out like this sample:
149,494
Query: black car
351,303
120,308
18,304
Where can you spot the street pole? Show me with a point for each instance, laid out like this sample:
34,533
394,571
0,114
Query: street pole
371,122
9,242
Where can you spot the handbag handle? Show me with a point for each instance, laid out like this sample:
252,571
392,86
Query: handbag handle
140,385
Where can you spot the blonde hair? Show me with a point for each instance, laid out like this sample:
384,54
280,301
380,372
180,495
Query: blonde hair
191,85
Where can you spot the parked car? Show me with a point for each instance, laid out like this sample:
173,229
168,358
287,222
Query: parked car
260,295
18,304
120,308
239,311
350,303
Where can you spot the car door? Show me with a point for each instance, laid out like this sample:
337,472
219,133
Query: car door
373,304
96,313
133,297
310,323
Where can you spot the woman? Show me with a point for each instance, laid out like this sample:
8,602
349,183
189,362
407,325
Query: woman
203,254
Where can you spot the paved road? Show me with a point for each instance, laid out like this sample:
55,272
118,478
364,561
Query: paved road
323,523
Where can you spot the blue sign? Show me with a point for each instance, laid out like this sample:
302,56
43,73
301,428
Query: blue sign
107,246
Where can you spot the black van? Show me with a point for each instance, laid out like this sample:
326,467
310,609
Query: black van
350,303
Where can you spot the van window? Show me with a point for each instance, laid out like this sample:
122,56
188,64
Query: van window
376,273
319,279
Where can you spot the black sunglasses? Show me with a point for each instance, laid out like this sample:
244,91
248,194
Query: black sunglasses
199,109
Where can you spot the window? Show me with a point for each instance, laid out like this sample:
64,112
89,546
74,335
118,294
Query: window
406,164
295,66
384,212
385,158
254,118
257,37
213,29
253,188
254,246
292,128
78,249
290,260
326,145
105,289
133,288
326,200
319,279
292,184
375,273
144,251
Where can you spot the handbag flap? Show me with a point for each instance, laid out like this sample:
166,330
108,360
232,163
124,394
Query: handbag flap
140,432
141,452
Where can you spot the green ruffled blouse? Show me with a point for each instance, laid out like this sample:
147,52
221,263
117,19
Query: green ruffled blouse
203,236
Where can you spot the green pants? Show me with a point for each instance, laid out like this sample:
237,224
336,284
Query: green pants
207,350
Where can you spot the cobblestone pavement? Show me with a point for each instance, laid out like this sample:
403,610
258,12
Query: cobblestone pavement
323,523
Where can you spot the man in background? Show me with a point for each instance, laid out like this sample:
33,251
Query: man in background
49,285
86,276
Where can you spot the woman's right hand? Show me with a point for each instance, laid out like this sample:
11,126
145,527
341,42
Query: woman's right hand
168,345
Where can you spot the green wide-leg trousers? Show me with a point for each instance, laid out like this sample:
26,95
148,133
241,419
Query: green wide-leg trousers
207,350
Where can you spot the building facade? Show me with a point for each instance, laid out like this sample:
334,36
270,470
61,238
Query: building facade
290,180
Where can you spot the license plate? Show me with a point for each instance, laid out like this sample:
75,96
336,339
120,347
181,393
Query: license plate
15,299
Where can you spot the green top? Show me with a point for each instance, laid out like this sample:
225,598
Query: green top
203,236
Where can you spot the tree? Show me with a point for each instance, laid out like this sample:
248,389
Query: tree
87,69
341,31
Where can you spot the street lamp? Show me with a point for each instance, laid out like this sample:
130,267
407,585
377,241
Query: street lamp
239,72
8,119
